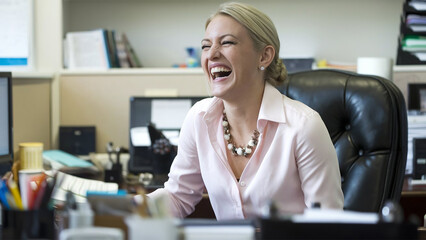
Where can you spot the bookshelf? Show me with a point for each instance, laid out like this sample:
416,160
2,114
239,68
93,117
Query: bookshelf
161,30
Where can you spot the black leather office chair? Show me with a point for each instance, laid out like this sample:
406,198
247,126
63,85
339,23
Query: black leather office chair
367,121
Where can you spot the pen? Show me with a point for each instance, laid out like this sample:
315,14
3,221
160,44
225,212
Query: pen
3,191
34,186
39,194
11,201
13,188
50,185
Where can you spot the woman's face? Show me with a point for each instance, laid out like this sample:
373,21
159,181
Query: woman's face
229,59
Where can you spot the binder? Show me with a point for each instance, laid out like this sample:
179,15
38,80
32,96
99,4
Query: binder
88,50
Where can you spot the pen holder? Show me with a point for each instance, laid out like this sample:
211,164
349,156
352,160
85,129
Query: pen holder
32,224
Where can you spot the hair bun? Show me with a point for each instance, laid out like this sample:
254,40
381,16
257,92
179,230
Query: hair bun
278,74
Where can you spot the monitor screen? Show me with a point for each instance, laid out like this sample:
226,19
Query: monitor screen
167,115
417,97
6,144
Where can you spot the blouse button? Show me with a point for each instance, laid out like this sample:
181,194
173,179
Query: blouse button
242,184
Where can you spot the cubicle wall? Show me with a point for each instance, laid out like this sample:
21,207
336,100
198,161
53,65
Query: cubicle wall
31,111
104,100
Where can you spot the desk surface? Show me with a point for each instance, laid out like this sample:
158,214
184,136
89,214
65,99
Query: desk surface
413,201
409,189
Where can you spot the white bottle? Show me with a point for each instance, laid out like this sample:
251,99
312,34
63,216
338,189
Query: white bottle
81,217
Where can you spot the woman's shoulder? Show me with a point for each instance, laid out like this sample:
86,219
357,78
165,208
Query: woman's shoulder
297,111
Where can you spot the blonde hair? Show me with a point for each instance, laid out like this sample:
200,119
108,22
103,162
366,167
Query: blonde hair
262,31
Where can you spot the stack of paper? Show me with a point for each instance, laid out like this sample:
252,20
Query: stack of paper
58,159
415,43
79,187
419,5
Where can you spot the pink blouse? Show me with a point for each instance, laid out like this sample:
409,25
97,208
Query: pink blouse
294,163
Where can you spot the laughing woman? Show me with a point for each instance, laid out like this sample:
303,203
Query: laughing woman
250,144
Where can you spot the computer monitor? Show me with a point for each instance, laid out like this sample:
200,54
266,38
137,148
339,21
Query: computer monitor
417,97
167,115
6,123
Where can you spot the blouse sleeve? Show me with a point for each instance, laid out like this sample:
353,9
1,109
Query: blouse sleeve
318,165
185,186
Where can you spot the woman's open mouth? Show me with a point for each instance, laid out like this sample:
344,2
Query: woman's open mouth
220,72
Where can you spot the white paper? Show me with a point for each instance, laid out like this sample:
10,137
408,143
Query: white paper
212,232
420,6
335,216
140,137
16,33
151,228
418,182
79,187
418,28
169,114
421,56
173,136
87,50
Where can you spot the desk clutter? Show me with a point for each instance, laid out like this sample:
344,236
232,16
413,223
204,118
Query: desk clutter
56,204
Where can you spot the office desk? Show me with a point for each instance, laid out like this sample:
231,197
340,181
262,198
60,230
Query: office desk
413,201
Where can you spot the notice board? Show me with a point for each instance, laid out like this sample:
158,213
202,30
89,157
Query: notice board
16,34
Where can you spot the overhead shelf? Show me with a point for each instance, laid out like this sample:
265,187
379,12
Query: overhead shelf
135,71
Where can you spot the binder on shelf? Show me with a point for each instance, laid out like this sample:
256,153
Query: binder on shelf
123,58
112,49
133,58
87,50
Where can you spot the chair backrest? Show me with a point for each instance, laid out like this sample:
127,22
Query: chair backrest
367,121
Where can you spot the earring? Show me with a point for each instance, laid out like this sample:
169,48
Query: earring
262,68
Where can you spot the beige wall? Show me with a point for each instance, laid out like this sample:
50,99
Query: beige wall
31,111
103,100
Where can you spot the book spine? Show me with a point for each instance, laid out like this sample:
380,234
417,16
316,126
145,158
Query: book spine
133,58
121,52
107,54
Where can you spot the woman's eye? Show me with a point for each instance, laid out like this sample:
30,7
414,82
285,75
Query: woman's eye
204,47
227,43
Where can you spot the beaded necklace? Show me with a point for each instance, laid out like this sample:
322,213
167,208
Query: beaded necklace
241,150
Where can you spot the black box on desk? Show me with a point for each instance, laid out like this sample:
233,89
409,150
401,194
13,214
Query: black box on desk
419,158
77,140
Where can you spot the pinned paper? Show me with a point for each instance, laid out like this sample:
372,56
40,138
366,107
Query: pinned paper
169,114
173,136
140,137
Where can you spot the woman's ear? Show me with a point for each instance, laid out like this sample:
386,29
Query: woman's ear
268,54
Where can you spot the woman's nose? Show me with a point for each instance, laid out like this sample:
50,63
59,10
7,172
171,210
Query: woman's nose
214,52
